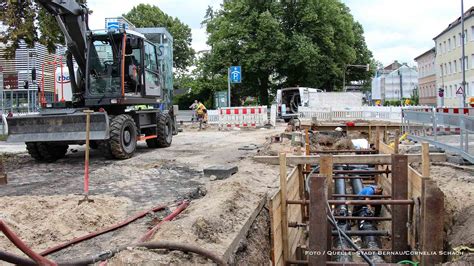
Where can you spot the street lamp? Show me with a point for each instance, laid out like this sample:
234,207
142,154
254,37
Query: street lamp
367,67
463,37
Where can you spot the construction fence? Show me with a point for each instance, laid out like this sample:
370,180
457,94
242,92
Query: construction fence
384,113
450,129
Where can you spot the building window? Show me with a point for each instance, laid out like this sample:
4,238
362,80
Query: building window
460,38
454,42
450,69
441,73
465,36
444,47
449,44
472,33
466,63
455,66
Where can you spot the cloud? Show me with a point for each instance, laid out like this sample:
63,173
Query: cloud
403,29
189,12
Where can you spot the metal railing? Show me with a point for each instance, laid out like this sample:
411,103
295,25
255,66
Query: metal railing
385,113
448,131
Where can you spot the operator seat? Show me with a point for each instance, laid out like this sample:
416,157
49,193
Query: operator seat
132,68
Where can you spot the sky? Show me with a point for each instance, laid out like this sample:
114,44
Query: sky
394,29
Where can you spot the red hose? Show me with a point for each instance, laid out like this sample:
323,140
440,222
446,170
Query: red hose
23,247
100,232
170,217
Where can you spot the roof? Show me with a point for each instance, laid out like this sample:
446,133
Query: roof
469,13
432,50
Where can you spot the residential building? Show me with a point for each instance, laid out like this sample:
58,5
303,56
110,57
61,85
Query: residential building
427,77
394,82
448,61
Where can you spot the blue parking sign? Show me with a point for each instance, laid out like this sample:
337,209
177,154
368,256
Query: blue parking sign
235,74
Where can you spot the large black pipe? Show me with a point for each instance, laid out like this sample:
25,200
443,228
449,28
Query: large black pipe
341,243
368,241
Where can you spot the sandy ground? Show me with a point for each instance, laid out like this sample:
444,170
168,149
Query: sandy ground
218,210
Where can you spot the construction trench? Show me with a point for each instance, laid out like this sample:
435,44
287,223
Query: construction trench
189,218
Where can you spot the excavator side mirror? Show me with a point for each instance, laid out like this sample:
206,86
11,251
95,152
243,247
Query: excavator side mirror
134,43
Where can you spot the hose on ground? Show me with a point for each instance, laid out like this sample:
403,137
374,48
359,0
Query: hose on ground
166,245
103,231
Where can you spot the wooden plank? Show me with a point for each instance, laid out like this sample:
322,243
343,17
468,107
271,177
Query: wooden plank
301,193
433,218
347,159
318,225
385,149
275,215
399,212
275,228
414,183
425,159
377,138
326,170
396,142
284,214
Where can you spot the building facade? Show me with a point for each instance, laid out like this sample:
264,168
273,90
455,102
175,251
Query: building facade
427,77
394,82
15,72
449,61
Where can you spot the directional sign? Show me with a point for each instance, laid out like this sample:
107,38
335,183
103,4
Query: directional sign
460,91
235,74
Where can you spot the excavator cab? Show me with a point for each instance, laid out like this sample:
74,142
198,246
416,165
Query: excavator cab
122,69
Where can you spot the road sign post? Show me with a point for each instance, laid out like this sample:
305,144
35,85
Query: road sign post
234,75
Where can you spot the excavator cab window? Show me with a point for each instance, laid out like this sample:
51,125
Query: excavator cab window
104,65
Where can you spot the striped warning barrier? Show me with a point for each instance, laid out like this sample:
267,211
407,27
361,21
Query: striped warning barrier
243,116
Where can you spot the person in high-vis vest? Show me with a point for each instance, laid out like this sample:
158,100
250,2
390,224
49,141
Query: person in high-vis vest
201,113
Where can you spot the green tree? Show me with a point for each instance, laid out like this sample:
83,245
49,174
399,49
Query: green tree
145,15
286,43
29,22
246,33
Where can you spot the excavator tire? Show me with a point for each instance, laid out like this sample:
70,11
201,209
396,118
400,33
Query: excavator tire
164,128
46,152
123,137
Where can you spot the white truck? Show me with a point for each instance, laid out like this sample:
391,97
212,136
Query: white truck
289,100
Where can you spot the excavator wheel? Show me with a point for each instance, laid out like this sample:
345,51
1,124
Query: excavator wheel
46,152
123,137
164,134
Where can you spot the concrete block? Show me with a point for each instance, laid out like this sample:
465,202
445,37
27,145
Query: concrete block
248,147
221,171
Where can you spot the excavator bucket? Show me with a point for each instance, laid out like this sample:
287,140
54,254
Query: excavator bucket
57,125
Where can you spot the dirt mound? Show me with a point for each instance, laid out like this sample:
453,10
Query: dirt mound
30,217
463,229
344,144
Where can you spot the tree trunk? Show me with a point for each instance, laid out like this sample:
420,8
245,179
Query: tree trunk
263,89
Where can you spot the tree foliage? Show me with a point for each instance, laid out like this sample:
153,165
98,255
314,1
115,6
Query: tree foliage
145,15
286,43
29,22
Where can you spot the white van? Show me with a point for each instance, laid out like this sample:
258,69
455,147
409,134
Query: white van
290,100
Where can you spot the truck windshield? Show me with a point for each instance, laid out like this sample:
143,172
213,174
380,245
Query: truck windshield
104,65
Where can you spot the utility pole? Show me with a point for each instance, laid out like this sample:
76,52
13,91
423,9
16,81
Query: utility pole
228,86
28,77
463,37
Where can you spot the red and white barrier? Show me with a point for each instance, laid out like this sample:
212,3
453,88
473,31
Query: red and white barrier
243,117
466,111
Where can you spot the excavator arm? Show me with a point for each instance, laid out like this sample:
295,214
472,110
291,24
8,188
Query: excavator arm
72,18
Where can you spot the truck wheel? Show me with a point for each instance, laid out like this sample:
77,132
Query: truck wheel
123,137
164,132
33,151
46,152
